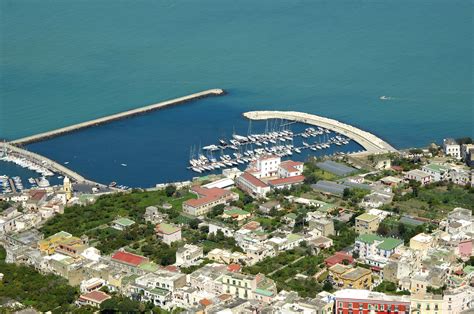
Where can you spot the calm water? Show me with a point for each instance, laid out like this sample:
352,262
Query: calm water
66,62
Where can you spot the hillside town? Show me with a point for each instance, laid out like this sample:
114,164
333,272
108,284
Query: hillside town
385,233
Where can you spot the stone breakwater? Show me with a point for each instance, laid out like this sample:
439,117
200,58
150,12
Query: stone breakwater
118,116
371,143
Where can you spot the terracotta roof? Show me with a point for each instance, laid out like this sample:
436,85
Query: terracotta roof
397,168
95,296
290,165
172,268
338,258
205,302
37,194
129,258
225,296
288,180
253,180
206,196
251,225
234,268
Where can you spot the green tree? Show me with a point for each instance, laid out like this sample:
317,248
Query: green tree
170,190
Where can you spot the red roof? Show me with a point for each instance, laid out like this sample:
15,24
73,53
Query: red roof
205,302
234,268
129,258
338,258
290,165
251,225
95,296
253,180
172,268
397,168
206,196
288,180
37,194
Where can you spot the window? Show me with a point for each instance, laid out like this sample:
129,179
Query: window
349,305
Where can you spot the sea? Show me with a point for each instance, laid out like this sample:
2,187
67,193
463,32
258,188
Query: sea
64,62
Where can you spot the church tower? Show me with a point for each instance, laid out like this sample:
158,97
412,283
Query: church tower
67,185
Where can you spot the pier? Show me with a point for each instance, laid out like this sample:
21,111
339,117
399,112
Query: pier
371,143
48,163
117,116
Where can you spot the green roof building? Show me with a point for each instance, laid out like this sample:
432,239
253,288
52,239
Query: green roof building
374,245
122,223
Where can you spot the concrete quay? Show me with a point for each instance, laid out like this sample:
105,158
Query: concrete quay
371,143
47,163
117,116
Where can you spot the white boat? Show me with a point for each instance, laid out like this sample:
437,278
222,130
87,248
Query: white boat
43,182
123,165
297,150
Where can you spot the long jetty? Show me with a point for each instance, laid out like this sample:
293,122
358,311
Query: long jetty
46,162
118,116
371,143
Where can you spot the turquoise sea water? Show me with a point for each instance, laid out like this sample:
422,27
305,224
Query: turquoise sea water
64,62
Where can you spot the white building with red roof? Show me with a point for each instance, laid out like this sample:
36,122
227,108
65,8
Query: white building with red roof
290,168
252,185
286,182
93,298
207,198
128,262
270,172
266,166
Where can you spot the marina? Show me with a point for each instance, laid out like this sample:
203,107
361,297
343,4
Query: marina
370,142
277,139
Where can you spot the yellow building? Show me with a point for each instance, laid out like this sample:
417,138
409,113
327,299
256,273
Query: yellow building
337,270
72,246
366,224
422,242
48,245
347,277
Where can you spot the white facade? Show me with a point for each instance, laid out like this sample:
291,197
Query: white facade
213,228
419,176
268,166
458,300
451,148
188,255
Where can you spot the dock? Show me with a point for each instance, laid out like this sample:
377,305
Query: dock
370,142
50,164
117,116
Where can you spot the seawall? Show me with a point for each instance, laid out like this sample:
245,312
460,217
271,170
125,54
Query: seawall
370,142
117,116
